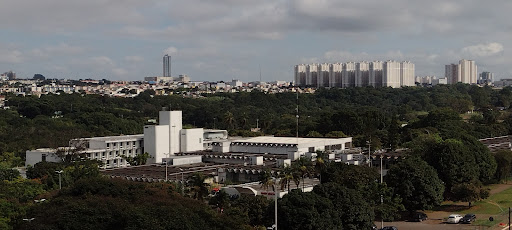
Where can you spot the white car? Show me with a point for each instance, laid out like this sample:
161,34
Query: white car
454,218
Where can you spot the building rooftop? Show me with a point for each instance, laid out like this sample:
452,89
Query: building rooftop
289,140
115,138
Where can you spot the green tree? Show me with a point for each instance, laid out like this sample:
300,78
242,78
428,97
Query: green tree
300,210
266,180
469,192
452,160
338,134
139,159
7,173
504,164
351,207
286,177
417,183
198,186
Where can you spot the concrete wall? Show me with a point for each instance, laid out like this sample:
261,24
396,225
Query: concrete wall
192,140
156,142
35,156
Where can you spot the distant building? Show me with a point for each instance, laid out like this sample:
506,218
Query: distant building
503,83
167,65
351,74
159,79
486,78
11,75
184,78
464,72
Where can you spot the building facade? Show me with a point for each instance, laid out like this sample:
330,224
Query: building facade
167,65
464,72
351,74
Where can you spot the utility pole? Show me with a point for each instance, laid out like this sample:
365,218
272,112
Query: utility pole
60,179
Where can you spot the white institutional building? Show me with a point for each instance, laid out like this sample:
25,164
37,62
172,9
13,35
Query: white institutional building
464,72
351,74
163,141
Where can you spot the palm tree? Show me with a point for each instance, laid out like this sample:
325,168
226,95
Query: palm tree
302,168
286,177
229,119
320,163
198,186
266,180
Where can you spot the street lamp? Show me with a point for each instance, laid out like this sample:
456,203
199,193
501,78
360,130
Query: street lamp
166,164
29,220
274,226
182,183
60,178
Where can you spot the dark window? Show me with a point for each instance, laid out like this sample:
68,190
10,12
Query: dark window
43,157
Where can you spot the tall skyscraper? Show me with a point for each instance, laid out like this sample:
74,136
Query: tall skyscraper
167,65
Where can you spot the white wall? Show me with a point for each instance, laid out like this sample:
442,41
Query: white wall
35,156
156,142
192,140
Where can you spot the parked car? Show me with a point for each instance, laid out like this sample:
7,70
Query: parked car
468,218
454,218
389,228
418,217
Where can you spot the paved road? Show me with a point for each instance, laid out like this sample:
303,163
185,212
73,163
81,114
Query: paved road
429,225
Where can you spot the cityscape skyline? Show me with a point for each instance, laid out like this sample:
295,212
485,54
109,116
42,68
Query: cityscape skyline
230,39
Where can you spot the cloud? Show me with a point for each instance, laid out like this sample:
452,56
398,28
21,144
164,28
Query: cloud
134,59
63,15
483,50
171,50
101,61
11,56
63,49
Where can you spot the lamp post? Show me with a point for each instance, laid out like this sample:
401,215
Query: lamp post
276,192
166,164
369,152
29,220
60,178
381,195
166,174
182,183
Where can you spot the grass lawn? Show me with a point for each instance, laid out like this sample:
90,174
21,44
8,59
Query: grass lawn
496,206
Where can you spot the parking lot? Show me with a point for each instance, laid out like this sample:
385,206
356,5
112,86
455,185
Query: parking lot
430,225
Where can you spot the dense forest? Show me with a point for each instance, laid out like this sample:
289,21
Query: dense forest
440,126
51,120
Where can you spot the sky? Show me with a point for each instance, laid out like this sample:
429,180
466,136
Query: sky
236,39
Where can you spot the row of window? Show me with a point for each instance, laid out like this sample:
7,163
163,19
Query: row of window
115,153
127,144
